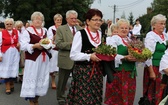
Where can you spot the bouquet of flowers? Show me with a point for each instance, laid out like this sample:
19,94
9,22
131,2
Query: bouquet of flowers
105,52
137,49
46,43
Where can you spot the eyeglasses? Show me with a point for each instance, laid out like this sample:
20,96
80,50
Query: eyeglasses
97,20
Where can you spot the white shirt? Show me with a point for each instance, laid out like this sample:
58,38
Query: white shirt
115,41
137,29
150,42
75,53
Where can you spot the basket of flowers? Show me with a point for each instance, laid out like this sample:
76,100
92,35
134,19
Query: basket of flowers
137,49
105,52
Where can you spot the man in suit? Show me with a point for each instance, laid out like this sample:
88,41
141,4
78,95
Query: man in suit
64,37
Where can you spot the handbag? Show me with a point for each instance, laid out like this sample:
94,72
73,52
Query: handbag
144,100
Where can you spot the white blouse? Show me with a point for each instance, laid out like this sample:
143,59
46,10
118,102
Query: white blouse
25,39
115,41
50,33
75,53
164,62
150,42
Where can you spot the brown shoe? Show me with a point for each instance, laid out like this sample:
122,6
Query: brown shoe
36,103
31,103
7,85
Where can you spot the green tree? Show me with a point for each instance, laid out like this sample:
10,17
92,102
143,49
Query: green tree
22,9
158,7
145,22
131,18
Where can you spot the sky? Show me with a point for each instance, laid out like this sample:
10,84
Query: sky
137,7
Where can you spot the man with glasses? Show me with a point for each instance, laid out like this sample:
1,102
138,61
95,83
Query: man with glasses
64,37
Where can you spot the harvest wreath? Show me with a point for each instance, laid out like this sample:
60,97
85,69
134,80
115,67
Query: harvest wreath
105,52
137,49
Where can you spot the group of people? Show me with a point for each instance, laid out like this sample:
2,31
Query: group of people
122,89
22,54
108,28
71,51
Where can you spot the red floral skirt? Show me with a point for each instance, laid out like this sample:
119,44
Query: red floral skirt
85,90
122,90
154,90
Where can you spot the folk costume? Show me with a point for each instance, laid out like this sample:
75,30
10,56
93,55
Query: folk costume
36,71
157,45
121,91
54,60
9,53
87,83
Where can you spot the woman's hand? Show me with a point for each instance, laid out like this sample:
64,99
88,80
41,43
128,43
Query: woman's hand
129,58
93,57
166,71
18,45
38,46
0,59
152,74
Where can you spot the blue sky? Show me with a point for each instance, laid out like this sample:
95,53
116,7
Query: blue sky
137,7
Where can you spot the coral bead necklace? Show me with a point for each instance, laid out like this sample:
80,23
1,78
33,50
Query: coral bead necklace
96,39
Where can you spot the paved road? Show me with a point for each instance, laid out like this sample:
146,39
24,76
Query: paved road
15,99
139,82
50,98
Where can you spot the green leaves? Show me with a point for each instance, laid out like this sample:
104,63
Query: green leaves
137,49
105,49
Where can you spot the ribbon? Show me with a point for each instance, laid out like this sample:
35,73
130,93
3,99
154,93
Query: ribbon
44,56
134,72
93,68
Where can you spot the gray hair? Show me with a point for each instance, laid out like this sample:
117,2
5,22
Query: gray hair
120,21
19,22
9,20
57,15
35,14
71,12
157,18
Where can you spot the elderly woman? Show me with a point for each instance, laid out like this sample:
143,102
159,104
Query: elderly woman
121,91
86,89
9,54
19,27
36,71
54,60
155,41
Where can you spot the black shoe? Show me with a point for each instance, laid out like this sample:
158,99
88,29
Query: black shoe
8,92
12,89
